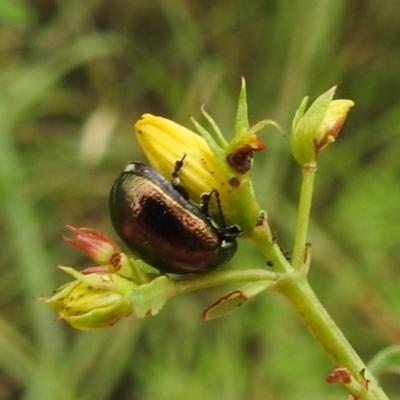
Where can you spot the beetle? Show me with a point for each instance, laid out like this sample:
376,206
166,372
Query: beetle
159,224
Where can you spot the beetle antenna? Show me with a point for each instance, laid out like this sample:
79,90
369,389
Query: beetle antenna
175,177
205,202
177,168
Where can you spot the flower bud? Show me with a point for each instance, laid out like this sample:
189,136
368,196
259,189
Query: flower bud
164,142
93,301
95,244
211,161
332,122
314,129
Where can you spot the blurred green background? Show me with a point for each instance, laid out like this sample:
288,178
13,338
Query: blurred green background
75,75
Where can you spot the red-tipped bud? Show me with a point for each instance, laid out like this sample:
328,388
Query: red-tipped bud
95,244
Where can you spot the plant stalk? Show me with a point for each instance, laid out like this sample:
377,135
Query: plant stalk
303,299
306,192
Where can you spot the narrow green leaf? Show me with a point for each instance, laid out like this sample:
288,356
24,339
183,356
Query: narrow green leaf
387,360
242,118
235,299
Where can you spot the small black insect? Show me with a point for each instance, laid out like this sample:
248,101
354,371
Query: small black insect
270,263
161,226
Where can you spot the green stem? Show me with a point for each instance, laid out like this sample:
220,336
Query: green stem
271,251
292,283
219,278
307,186
297,290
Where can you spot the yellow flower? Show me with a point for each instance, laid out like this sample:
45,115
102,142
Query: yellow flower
164,142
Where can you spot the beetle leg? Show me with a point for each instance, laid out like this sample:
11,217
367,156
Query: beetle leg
205,202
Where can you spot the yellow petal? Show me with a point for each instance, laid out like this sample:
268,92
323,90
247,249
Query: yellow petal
164,142
332,122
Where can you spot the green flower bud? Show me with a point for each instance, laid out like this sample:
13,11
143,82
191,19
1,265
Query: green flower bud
316,128
93,301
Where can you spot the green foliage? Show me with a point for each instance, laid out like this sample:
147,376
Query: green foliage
76,75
